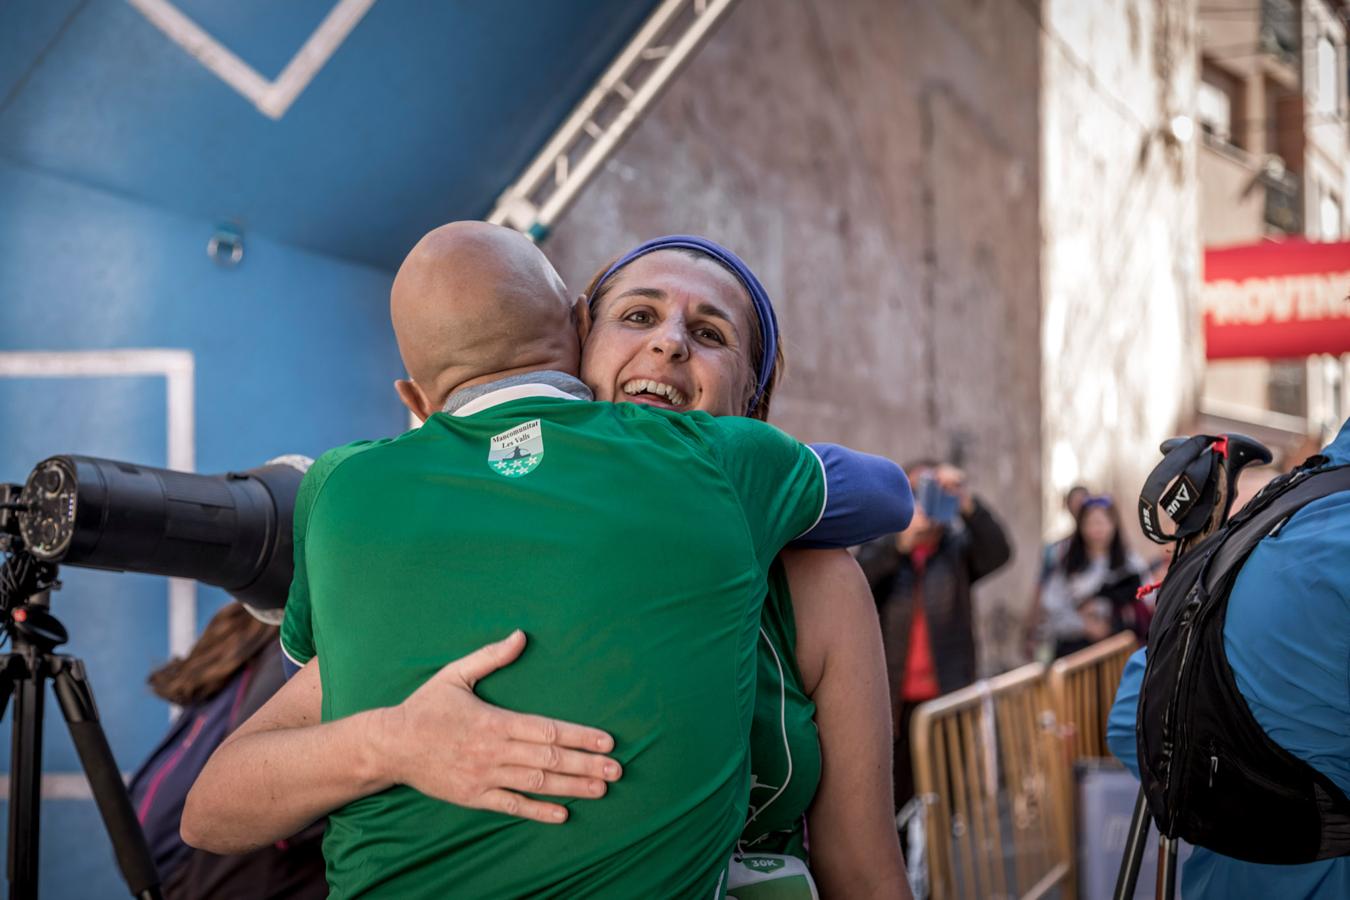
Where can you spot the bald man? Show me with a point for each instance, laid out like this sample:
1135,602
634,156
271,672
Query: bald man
630,544
511,314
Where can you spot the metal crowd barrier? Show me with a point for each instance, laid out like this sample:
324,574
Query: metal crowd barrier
991,774
1083,687
993,765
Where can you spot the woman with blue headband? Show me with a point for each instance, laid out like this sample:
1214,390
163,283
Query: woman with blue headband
681,323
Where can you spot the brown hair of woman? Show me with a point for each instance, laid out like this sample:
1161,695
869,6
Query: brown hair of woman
231,639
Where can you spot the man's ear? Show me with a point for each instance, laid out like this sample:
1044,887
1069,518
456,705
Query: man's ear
581,313
412,396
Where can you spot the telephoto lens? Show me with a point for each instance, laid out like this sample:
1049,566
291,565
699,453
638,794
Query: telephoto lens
232,530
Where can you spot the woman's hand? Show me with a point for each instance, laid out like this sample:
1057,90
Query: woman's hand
953,481
447,743
1096,618
285,767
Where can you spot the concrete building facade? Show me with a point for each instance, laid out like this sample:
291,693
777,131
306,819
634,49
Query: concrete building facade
1121,344
915,183
1274,162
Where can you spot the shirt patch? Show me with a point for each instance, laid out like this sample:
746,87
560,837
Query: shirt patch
517,452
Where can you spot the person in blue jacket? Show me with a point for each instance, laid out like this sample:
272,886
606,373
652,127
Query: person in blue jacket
1287,638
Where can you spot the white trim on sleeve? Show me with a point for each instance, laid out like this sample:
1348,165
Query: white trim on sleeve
286,653
824,490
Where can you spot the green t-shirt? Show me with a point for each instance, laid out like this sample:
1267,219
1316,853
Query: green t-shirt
785,758
632,546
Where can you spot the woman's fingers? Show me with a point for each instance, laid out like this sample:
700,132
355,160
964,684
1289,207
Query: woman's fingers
469,670
538,781
543,730
510,804
552,758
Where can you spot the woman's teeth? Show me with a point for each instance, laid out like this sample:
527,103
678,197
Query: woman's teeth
657,388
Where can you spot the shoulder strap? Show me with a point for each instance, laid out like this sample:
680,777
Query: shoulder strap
1262,523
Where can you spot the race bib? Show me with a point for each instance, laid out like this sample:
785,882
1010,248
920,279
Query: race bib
768,876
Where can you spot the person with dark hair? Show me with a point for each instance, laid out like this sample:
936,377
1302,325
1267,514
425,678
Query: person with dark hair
921,581
1050,556
1074,498
637,556
231,671
819,741
1090,594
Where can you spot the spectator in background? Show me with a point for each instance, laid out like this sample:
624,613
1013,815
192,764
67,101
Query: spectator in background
921,579
1054,551
1091,594
1050,556
231,671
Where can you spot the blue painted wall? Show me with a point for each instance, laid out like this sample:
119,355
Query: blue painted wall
294,354
424,114
120,153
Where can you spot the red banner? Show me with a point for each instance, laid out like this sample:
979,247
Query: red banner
1277,299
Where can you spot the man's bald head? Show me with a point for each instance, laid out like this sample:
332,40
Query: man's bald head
473,301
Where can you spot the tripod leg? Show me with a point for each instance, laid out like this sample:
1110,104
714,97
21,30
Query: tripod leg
7,666
1128,876
1167,870
25,775
114,805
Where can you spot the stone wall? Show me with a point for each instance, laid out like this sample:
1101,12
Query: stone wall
1122,348
877,163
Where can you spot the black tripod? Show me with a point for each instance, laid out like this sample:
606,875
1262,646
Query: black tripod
34,633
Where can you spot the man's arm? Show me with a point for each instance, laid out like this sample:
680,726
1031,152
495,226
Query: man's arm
987,546
285,768
280,771
988,549
1120,735
866,497
855,851
879,560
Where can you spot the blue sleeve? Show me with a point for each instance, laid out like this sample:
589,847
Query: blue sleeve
288,666
1120,723
866,497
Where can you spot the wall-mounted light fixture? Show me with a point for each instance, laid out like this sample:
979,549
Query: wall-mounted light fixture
226,246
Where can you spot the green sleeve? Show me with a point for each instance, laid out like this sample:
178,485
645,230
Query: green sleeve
780,481
297,628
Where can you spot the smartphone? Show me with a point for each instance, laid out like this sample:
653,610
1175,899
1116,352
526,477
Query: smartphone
940,506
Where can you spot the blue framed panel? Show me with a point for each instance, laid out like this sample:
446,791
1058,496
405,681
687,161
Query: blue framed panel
293,353
117,621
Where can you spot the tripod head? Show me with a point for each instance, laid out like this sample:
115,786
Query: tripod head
24,579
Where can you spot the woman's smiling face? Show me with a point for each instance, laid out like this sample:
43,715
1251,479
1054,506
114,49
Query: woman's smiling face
673,331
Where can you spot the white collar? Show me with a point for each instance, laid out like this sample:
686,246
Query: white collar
507,394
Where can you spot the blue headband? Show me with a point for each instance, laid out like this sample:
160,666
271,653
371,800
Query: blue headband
764,317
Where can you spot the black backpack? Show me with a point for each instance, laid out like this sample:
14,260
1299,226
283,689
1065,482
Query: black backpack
1210,773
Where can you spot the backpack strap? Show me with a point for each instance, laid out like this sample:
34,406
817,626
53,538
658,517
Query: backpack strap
1255,524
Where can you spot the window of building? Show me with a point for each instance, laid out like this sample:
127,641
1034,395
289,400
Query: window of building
1287,387
1219,105
1329,215
1328,77
1215,111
